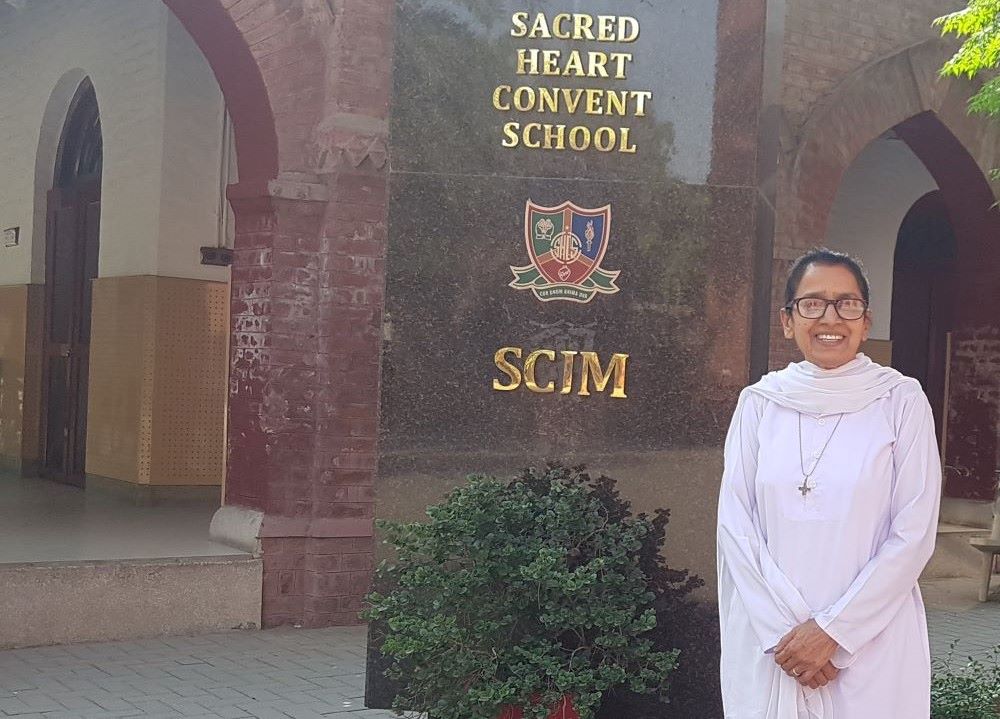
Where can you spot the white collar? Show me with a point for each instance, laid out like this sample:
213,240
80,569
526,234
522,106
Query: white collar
806,387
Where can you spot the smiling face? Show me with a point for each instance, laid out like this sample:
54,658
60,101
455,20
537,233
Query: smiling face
828,341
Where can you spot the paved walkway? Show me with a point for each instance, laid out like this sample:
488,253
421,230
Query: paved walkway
278,674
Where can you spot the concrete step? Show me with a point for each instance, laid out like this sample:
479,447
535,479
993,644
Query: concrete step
953,556
83,601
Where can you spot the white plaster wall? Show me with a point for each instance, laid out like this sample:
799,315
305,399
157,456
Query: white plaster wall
877,191
160,112
192,159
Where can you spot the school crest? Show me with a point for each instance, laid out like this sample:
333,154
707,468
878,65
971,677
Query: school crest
566,245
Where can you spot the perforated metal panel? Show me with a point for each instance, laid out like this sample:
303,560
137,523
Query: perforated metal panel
189,397
158,380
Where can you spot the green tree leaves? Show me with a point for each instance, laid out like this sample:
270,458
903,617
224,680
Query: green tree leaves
979,55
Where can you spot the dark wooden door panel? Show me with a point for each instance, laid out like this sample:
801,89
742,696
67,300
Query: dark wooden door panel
72,264
62,274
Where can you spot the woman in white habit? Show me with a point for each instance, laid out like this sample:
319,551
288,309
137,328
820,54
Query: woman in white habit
827,516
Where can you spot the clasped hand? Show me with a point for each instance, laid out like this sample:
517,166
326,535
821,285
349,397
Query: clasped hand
805,653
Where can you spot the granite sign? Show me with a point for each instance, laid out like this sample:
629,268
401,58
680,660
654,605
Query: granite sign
571,236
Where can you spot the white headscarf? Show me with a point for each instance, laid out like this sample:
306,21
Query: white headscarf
810,389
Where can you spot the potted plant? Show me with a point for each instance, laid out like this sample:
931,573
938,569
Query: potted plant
522,598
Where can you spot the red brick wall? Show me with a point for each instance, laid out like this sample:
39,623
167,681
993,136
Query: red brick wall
827,41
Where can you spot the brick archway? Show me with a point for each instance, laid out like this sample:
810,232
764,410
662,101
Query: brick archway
904,93
881,96
307,84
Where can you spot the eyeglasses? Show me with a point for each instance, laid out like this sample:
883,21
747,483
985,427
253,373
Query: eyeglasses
812,308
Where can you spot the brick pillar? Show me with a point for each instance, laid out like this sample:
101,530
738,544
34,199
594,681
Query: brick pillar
307,289
307,303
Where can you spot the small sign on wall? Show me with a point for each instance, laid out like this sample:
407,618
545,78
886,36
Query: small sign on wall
11,236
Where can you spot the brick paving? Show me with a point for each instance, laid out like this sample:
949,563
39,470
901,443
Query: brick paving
276,674
976,629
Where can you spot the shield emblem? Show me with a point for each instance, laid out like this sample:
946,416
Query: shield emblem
566,245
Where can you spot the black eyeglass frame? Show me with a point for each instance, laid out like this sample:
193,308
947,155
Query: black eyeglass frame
795,303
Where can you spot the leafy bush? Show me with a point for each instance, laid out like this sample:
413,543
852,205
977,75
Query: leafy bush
969,691
520,593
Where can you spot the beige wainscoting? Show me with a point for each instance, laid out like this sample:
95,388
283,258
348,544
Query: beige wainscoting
20,375
158,372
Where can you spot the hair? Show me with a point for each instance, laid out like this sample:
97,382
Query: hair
826,258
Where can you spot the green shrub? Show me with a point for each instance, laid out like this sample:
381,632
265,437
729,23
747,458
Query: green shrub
968,691
521,591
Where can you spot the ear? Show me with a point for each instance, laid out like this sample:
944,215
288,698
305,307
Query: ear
868,325
786,323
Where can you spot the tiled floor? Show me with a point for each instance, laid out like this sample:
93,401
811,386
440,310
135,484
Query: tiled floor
278,674
43,521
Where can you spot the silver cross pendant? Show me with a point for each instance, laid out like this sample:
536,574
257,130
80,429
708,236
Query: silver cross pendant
805,488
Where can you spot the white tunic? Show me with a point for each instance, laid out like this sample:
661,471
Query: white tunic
848,553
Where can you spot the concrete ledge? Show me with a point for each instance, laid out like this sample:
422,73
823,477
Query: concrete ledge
237,527
970,512
64,602
953,555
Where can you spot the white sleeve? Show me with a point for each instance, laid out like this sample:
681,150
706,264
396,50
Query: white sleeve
772,603
885,583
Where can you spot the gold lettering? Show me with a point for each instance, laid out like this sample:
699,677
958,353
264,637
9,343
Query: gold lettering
607,144
569,357
550,62
606,28
527,61
572,99
520,28
548,99
617,103
512,139
555,137
529,371
598,65
540,28
582,25
512,372
640,98
628,29
625,147
594,102
592,367
621,59
524,98
574,66
577,143
528,141
557,26
497,98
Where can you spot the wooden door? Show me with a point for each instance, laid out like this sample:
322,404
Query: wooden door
923,287
74,216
